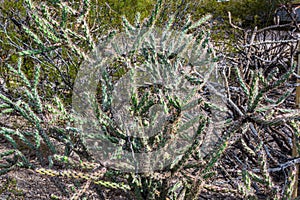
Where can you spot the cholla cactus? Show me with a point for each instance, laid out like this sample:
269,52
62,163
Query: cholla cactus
158,100
150,100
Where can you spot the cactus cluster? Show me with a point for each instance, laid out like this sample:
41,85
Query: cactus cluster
156,110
